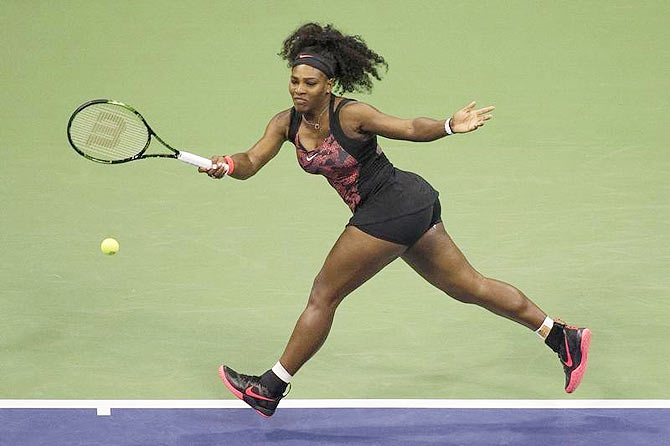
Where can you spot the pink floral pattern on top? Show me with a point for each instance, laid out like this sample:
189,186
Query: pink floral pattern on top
333,162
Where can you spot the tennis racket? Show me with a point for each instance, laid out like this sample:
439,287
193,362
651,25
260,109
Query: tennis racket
111,132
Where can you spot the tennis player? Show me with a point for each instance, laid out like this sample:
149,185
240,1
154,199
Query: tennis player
395,213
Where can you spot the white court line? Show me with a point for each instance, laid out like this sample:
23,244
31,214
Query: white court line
104,406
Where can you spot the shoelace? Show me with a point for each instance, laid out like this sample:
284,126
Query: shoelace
562,322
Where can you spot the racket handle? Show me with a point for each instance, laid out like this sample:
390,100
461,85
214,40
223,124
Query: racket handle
194,160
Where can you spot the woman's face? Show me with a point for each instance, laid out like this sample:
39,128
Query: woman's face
308,88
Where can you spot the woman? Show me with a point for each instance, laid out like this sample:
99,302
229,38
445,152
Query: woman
395,213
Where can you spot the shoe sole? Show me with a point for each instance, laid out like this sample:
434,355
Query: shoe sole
239,395
578,373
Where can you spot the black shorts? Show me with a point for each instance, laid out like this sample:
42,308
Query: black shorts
407,229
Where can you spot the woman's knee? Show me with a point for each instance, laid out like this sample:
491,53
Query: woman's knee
323,296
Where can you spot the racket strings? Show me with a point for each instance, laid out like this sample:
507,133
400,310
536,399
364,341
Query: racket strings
108,132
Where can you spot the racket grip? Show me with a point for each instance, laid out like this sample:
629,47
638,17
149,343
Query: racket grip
194,160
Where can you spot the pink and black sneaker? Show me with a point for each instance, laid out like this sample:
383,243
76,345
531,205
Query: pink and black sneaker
572,346
250,390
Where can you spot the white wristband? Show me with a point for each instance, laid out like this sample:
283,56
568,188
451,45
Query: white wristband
447,127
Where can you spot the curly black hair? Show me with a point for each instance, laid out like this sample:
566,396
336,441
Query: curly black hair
355,63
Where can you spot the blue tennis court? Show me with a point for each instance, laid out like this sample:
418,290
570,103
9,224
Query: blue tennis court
336,426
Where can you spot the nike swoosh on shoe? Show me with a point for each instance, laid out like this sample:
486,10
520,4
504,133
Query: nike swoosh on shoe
567,350
249,392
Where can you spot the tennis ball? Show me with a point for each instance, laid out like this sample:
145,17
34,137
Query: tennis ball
109,246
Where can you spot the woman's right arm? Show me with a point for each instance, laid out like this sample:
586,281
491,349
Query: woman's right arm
249,162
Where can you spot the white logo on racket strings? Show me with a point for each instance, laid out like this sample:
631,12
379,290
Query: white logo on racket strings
106,131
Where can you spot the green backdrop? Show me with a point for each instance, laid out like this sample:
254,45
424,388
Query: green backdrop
564,194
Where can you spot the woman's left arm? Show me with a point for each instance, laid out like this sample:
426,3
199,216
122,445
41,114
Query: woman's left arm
370,120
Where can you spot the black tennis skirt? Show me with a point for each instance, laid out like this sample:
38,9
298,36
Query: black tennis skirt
401,210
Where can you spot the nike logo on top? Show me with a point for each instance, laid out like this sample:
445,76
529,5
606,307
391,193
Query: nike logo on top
310,158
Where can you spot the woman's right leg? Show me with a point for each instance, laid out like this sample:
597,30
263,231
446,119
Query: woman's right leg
355,258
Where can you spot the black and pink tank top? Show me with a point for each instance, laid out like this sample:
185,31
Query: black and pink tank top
360,172
352,167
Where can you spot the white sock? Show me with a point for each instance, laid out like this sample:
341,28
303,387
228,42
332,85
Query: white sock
281,372
545,328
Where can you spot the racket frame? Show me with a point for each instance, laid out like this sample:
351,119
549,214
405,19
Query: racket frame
182,156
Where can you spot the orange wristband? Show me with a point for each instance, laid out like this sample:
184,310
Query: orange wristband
231,164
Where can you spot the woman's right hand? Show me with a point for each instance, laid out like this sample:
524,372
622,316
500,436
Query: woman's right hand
219,167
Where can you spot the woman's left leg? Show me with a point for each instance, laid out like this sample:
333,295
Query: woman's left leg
438,260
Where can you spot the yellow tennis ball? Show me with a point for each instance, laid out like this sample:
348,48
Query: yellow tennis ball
109,246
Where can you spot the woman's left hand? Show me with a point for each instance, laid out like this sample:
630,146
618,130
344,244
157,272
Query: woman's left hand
467,119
